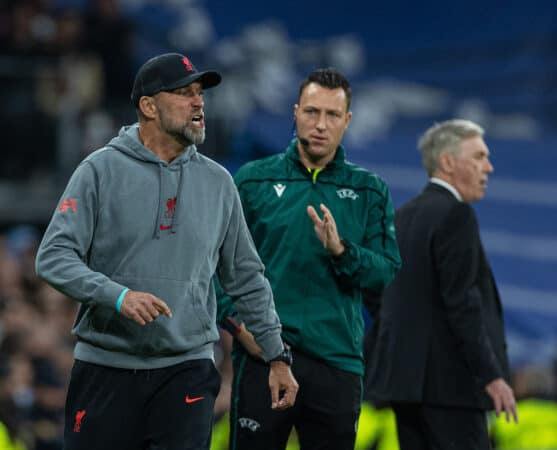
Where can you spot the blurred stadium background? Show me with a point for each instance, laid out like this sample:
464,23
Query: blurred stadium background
66,69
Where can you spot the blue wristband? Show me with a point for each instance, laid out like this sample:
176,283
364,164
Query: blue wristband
121,299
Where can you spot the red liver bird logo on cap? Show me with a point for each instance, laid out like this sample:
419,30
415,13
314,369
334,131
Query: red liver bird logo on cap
187,63
78,420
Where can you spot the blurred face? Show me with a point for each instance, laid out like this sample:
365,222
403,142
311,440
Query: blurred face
321,119
180,114
471,169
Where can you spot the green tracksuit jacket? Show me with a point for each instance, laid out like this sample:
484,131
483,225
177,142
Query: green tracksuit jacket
318,297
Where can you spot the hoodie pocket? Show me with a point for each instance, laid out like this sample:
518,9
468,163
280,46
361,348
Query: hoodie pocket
106,328
193,316
192,326
193,322
201,308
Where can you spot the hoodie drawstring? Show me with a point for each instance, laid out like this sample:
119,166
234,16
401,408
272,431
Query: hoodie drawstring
157,234
179,193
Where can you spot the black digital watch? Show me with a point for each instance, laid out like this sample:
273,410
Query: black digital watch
285,356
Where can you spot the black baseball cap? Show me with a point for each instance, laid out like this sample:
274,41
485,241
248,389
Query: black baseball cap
167,72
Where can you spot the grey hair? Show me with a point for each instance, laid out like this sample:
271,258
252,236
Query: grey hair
445,137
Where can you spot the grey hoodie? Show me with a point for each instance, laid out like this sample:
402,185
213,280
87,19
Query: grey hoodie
130,220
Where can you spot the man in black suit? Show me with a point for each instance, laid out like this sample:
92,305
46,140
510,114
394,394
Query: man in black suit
439,356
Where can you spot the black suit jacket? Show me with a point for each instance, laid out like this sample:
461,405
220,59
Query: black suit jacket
440,337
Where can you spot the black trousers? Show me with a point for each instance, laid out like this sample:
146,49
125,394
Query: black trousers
424,427
325,414
169,408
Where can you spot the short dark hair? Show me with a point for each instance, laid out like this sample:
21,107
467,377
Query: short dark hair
329,78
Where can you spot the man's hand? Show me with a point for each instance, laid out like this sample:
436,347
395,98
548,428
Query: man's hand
248,342
244,336
282,382
503,398
326,229
143,308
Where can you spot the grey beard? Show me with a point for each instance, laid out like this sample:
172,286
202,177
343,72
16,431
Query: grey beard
194,136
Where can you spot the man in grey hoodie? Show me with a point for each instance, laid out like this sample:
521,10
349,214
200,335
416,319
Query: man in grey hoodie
142,226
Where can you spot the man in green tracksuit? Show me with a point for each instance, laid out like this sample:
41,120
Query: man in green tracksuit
324,230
